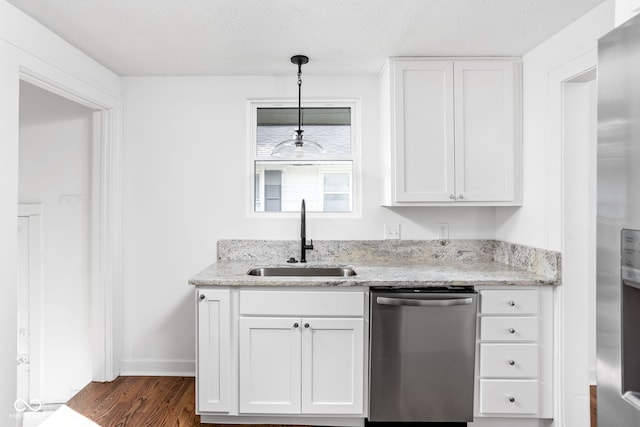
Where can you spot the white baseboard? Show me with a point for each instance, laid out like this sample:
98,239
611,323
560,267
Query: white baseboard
160,368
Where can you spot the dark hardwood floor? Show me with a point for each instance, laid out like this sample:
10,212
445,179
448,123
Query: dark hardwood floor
140,402
159,402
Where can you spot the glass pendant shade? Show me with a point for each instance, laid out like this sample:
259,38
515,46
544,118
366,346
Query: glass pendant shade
297,147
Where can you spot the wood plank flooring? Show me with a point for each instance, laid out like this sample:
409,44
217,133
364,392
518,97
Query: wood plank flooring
159,402
142,402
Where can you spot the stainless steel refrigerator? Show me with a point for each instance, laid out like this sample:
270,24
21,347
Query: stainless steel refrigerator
618,234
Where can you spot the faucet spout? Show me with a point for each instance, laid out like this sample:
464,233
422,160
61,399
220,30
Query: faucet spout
303,234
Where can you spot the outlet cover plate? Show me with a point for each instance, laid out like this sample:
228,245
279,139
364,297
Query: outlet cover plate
391,231
443,231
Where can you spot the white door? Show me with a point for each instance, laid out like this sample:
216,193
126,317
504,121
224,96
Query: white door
269,365
332,366
214,347
484,130
424,130
28,355
23,353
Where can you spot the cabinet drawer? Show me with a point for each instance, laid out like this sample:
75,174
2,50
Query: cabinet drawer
301,303
509,329
509,397
509,360
509,301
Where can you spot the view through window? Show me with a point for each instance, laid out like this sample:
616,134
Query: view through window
324,181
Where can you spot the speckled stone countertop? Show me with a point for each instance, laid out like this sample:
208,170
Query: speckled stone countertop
234,273
415,264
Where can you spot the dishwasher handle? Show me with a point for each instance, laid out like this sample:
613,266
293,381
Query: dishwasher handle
449,302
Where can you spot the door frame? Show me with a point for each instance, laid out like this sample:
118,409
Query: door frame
106,215
566,310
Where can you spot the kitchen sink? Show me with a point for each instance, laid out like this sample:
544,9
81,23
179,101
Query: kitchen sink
302,271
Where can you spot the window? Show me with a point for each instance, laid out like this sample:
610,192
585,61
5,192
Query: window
325,181
336,192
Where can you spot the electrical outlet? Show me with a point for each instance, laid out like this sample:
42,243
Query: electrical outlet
391,231
443,231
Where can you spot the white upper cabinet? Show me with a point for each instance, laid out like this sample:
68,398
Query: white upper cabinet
453,134
423,118
484,131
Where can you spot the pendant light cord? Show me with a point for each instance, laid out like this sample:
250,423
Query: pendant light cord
299,99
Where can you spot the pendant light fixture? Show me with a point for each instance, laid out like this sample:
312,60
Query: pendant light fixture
297,147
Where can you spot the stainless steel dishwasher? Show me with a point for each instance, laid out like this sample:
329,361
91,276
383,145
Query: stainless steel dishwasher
422,355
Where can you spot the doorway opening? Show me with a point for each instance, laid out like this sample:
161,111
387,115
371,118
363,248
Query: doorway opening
55,229
579,142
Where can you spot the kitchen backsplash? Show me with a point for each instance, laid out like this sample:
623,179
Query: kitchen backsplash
539,261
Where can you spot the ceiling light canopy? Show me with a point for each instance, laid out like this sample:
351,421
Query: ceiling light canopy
298,147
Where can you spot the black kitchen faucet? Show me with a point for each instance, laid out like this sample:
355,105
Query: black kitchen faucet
303,234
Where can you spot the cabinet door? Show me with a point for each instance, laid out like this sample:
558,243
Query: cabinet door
214,345
332,366
269,365
424,131
484,131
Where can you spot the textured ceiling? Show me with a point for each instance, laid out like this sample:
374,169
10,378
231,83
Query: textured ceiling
257,37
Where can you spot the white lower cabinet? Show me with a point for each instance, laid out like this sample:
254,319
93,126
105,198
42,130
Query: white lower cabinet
283,353
213,350
298,356
509,397
333,366
270,365
301,365
514,373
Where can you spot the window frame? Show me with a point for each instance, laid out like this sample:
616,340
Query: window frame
355,157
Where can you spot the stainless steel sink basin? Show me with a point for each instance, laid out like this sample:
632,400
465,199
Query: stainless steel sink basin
302,271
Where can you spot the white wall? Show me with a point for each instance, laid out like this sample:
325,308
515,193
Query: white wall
186,176
539,222
55,160
27,46
559,193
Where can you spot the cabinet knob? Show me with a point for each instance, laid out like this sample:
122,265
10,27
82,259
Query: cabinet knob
511,303
512,362
306,325
511,331
512,399
295,325
460,197
201,296
452,197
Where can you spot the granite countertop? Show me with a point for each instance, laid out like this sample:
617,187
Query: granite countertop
396,274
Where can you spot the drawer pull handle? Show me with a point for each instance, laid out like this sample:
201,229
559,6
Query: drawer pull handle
202,296
306,325
512,303
512,399
512,362
511,331
295,325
